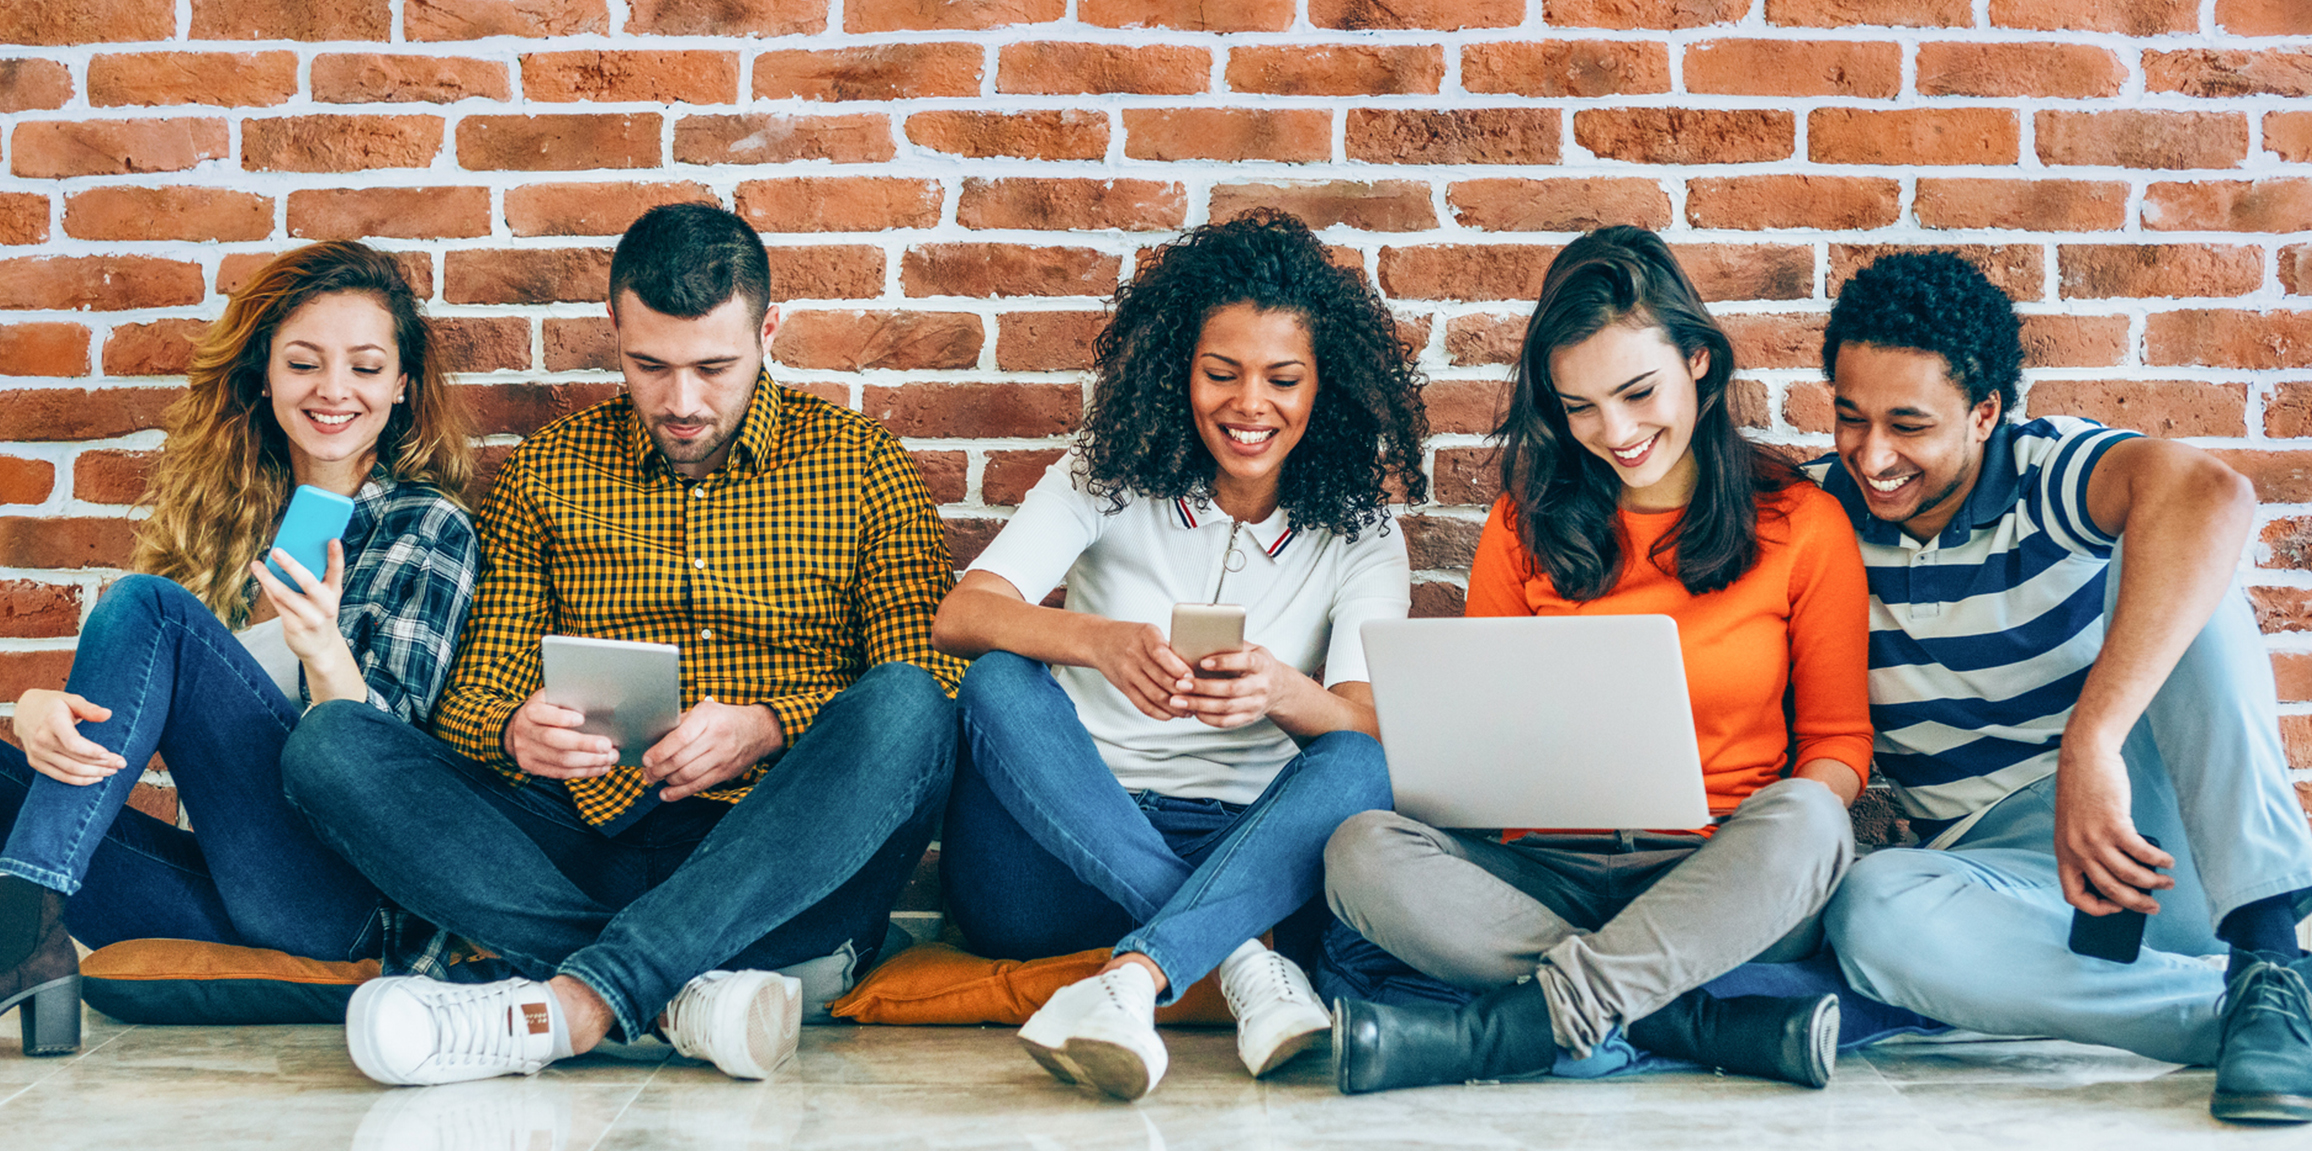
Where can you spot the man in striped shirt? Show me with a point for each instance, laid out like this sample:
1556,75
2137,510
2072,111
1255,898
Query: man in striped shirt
2062,673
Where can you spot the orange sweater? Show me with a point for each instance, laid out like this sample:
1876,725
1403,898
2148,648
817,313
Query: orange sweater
1801,616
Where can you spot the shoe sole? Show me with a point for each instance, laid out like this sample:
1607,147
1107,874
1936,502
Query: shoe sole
1054,1060
1821,1043
774,1018
2261,1107
1114,1069
1340,1050
360,1043
1284,1052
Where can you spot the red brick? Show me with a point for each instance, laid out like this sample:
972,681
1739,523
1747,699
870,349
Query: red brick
21,671
2158,407
1437,599
1337,69
869,72
1188,15
2296,269
826,272
1748,271
1440,543
112,477
1837,203
399,213
475,19
1292,136
2132,17
525,275
2282,205
2282,477
1046,68
326,143
227,79
1471,407
1562,205
1460,136
160,348
1376,206
2018,269
646,75
98,283
64,542
377,78
1466,271
1046,341
43,350
2287,542
123,213
2263,18
1914,136
725,18
235,269
1667,14
291,20
1584,69
769,138
1006,270
2068,71
2098,271
967,536
117,22
520,409
588,209
840,203
2031,205
2217,72
1466,476
1871,69
2292,675
895,341
1839,13
563,142
1806,407
27,85
1686,135
58,148
2135,138
908,15
1009,475
944,474
1443,15
2281,609
578,345
2060,341
975,410
1071,134
2288,414
1071,205
23,218
484,343
30,609
1775,340
2221,338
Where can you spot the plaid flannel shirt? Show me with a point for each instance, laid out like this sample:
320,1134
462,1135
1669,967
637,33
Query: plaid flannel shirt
812,555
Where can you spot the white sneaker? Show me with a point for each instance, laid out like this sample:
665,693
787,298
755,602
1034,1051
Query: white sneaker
1277,1013
745,1022
1101,1032
404,1029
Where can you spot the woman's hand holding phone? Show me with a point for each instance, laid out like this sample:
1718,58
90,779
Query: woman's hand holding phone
47,724
308,616
1249,682
1137,659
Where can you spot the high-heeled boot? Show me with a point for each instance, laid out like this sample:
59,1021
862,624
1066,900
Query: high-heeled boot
39,969
1498,1035
1791,1039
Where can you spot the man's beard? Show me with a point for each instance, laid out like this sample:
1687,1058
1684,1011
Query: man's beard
695,449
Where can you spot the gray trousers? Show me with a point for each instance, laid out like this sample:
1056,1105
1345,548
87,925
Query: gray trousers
1614,925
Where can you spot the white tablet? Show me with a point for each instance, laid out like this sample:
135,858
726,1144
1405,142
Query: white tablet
631,692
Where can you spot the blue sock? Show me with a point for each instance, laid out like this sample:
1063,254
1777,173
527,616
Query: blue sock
2264,928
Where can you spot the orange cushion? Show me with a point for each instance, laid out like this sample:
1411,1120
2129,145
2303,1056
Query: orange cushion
183,981
937,983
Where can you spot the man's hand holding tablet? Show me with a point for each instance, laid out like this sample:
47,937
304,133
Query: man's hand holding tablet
715,742
632,689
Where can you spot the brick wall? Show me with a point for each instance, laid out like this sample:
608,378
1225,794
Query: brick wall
949,189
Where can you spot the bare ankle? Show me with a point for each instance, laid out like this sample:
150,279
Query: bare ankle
583,1013
1133,957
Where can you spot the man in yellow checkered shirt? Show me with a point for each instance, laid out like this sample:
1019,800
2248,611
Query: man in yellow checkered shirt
790,549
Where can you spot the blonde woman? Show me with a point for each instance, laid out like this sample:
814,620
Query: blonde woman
321,372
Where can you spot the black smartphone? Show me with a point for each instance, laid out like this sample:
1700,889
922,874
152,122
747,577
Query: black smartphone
2117,937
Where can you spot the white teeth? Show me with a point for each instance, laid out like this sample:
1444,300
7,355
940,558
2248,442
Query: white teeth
1634,453
1244,437
1888,485
331,421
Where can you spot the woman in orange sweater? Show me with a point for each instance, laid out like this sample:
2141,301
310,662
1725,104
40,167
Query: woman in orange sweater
1628,491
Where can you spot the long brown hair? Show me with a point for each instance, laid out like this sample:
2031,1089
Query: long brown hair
224,472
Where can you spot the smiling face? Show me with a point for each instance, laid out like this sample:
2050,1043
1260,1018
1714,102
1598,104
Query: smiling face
1630,400
690,380
1907,434
334,374
1250,385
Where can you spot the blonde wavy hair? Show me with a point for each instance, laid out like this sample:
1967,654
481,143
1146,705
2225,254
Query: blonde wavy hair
224,472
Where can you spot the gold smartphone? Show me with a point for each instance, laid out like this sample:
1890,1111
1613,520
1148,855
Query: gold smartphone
1202,629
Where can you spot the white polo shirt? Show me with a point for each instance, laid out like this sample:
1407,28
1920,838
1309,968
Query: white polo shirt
1305,594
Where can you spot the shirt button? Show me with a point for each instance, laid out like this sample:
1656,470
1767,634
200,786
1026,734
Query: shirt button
700,564
699,492
706,633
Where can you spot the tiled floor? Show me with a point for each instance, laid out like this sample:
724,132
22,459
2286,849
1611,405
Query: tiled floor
162,1089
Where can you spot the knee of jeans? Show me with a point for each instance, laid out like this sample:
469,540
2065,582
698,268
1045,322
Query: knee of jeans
138,592
916,705
1813,813
1875,917
1352,857
320,762
1352,768
994,679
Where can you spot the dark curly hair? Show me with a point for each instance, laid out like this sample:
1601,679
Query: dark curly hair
1367,424
1933,302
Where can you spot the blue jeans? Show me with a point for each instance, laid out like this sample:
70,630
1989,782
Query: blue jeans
809,862
179,683
1044,853
1977,935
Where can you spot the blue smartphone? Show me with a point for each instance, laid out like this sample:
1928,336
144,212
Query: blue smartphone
315,517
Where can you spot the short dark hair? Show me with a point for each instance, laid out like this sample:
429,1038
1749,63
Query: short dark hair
1933,302
685,260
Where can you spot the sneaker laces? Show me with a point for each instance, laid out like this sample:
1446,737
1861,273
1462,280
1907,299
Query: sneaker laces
2273,988
469,1028
1266,977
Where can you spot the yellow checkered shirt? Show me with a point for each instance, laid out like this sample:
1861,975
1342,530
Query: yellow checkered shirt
814,554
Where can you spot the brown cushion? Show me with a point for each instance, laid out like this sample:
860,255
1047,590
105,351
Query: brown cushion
187,982
937,983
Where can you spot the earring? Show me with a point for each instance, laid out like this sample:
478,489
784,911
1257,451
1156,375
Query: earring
398,399
265,392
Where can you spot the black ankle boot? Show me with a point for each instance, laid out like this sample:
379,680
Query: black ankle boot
1794,1040
39,970
1495,1036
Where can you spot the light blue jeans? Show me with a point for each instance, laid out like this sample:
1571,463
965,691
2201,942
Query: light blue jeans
1978,935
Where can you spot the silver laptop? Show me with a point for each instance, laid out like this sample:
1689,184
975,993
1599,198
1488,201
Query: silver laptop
1560,721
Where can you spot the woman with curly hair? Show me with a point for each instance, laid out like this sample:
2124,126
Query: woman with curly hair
1250,407
321,372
